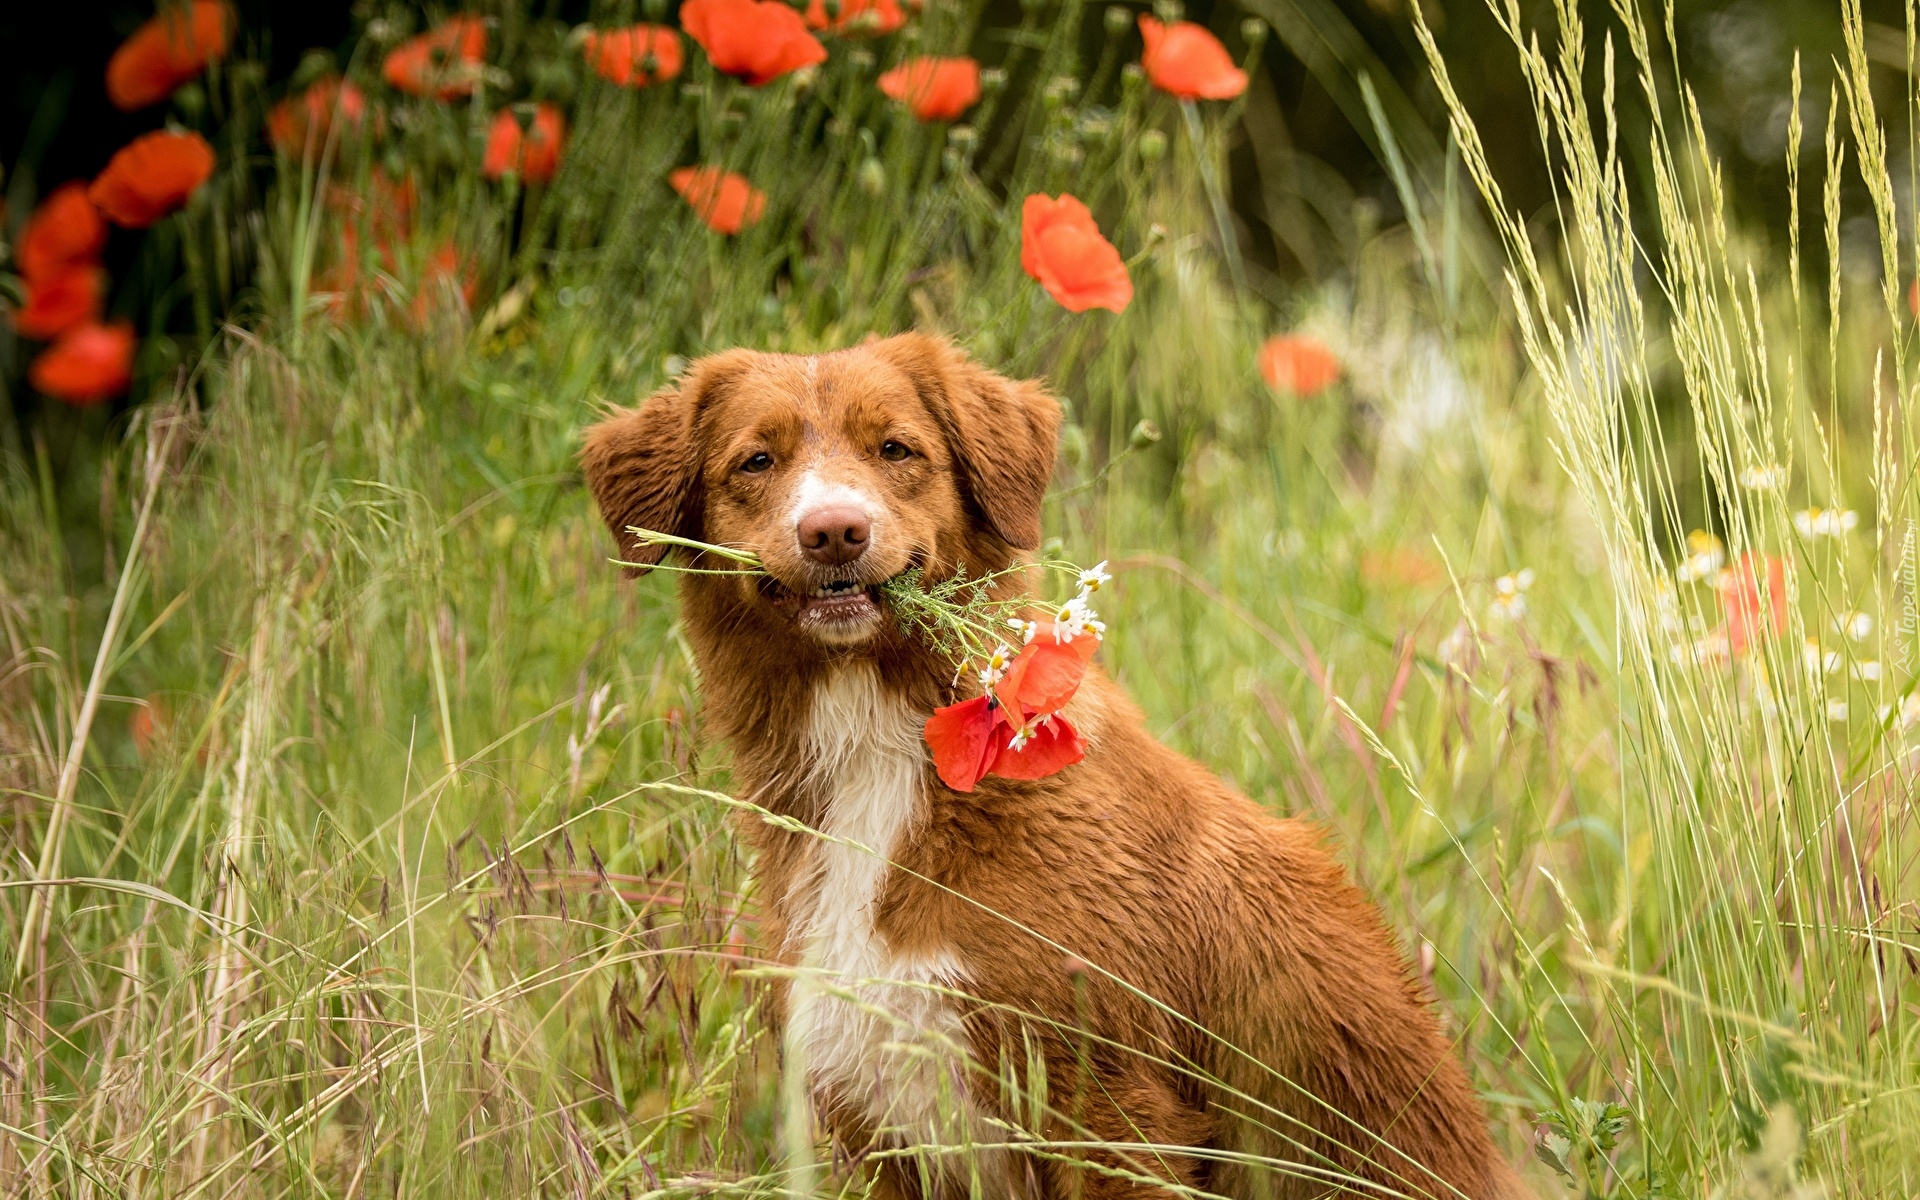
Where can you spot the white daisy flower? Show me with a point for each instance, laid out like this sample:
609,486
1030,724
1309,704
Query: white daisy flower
1770,478
1856,625
1510,595
1819,661
1825,522
1705,557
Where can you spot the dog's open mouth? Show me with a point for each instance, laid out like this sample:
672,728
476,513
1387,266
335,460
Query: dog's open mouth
839,603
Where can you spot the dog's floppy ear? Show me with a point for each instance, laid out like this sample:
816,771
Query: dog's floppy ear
643,465
1004,433
640,466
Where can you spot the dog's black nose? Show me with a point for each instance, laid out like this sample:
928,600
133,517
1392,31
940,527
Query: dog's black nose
834,536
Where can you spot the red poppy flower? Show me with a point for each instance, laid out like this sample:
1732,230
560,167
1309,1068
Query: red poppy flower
442,277
534,152
973,739
635,56
443,62
1046,673
1016,731
298,122
89,363
150,177
167,51
857,16
58,301
65,231
1186,60
758,40
936,89
724,199
1296,363
1050,745
1062,248
1751,614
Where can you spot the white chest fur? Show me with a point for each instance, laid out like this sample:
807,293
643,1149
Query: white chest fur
865,1018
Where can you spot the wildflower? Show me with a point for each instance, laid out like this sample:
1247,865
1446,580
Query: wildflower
857,16
1094,578
1749,610
935,89
150,177
1185,60
1856,625
636,56
1046,673
301,124
1026,629
1818,660
1837,710
724,199
1297,364
1705,556
974,738
167,51
1062,248
532,152
444,276
1770,478
57,302
1015,730
65,231
757,40
1076,617
1510,595
88,364
444,62
995,668
1867,671
1825,522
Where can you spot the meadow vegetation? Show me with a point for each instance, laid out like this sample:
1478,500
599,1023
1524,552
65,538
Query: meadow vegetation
362,836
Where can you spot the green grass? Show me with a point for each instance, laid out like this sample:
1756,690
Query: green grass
422,882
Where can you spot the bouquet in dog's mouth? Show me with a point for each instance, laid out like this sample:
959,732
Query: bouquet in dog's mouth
1027,666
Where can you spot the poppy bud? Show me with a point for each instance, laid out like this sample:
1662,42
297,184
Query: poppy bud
1254,31
1118,20
1153,145
963,137
1132,78
872,177
992,79
1145,433
1169,10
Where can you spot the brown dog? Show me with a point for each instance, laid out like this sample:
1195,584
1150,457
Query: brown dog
1114,978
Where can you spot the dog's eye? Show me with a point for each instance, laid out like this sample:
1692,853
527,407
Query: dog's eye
758,463
894,451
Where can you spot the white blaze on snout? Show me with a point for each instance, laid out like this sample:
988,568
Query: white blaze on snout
817,491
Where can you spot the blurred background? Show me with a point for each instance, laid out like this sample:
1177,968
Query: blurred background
1310,187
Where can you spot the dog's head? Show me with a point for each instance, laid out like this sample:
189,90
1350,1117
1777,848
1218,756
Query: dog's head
840,471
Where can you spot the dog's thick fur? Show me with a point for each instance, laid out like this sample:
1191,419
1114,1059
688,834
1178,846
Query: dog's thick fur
1238,995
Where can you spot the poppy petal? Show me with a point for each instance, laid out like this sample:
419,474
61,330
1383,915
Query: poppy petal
1053,746
962,738
1046,673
